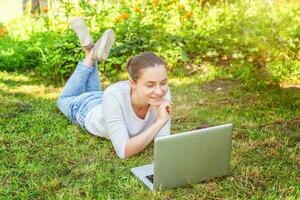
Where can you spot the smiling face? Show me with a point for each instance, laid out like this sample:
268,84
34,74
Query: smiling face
152,85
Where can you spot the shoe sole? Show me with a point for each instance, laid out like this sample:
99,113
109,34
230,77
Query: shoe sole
107,40
82,31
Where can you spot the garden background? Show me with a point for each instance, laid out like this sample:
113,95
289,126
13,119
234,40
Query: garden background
230,62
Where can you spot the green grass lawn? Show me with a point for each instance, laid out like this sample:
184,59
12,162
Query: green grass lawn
44,156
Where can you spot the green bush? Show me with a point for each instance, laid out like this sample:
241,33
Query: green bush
19,55
242,32
288,70
61,56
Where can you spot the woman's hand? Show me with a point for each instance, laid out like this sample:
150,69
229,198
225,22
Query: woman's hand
164,111
139,142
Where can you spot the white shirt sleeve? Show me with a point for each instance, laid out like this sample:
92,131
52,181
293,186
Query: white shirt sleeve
115,123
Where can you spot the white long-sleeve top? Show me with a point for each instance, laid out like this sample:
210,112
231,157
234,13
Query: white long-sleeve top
116,120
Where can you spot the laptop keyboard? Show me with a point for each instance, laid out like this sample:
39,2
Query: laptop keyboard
150,178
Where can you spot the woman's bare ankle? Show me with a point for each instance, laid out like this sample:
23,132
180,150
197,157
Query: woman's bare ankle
88,60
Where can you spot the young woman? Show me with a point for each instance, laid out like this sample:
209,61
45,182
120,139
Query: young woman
130,113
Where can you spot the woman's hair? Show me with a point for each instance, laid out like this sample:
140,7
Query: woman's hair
136,64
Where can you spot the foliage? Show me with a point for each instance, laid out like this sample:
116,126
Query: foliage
285,70
258,33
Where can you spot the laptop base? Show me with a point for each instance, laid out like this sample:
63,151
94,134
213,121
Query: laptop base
142,172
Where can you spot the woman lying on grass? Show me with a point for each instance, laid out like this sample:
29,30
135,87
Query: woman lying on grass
130,113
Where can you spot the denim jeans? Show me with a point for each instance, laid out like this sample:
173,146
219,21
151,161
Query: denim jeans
81,93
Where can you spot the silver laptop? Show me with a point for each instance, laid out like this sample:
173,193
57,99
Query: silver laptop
189,157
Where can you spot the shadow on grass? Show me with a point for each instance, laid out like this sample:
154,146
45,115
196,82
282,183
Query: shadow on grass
14,83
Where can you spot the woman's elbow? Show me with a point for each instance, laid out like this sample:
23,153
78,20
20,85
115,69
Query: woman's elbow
126,155
129,152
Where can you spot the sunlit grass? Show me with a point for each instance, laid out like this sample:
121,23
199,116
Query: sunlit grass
45,156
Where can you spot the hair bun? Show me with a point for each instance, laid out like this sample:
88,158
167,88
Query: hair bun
128,64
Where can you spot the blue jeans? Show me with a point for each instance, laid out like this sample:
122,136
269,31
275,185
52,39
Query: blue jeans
81,93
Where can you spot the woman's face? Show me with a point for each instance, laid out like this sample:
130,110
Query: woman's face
152,86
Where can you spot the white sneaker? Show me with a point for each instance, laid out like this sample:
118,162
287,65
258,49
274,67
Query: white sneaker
82,31
103,45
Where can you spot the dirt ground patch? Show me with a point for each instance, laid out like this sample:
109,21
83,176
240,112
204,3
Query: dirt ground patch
219,85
